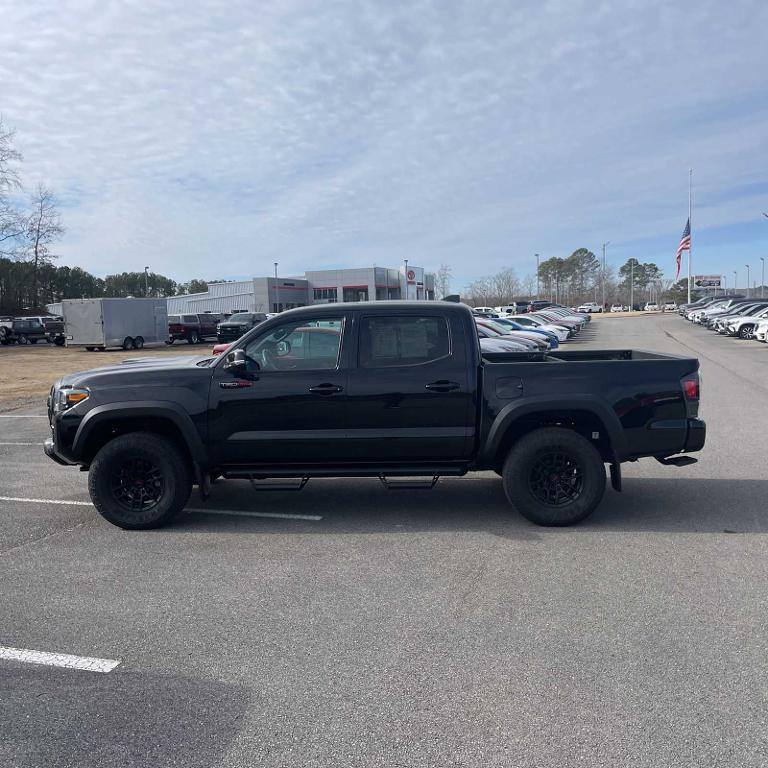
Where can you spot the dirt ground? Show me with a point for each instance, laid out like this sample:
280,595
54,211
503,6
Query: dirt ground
27,372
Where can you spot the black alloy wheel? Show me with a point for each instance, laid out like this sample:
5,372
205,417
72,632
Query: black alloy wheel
555,478
137,485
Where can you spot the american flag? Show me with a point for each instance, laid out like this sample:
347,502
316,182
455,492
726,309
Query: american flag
685,245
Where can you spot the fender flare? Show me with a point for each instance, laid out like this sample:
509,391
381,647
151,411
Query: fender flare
514,411
137,408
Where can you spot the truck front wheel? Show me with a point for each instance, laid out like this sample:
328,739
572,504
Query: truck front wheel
554,477
139,481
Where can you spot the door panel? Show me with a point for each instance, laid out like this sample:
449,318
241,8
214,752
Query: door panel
409,396
289,404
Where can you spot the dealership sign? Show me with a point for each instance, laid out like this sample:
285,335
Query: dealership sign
707,281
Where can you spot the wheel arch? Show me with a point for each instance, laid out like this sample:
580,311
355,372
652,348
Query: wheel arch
583,414
104,422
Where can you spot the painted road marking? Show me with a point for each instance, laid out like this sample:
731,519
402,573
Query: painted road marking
16,416
22,443
65,660
46,501
199,511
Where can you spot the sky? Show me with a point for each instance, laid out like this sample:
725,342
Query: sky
211,139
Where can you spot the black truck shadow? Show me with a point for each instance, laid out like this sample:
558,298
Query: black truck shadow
477,503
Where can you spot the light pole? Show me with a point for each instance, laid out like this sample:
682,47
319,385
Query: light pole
405,296
747,266
735,281
604,244
762,276
631,285
537,276
146,281
276,263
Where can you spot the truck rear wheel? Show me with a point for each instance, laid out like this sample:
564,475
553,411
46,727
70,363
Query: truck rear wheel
139,481
554,477
193,338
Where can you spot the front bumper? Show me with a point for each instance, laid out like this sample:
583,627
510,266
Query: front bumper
49,447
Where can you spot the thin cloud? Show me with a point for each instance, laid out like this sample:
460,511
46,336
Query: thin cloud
213,140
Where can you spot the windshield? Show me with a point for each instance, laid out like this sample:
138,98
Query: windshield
241,317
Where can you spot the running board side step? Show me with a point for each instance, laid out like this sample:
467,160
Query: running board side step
676,461
280,485
409,484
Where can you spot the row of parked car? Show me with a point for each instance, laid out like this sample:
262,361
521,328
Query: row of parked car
30,330
209,325
539,331
739,316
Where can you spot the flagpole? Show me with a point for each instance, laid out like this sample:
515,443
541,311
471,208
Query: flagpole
690,224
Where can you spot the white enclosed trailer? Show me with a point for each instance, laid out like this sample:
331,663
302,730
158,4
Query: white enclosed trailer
126,323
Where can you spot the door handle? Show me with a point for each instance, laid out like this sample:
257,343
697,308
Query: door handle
441,386
326,389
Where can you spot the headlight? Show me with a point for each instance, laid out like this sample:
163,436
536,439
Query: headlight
67,398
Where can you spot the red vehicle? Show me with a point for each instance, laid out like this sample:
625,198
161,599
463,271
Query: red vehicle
193,328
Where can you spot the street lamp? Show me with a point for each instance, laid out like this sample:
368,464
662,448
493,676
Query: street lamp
276,263
762,276
747,266
537,276
406,279
146,281
604,244
735,281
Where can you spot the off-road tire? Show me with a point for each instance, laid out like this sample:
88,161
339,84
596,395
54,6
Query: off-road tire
526,479
108,471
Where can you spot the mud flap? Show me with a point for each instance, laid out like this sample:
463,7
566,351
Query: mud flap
616,476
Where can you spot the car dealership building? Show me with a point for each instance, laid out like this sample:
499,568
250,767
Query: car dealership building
325,286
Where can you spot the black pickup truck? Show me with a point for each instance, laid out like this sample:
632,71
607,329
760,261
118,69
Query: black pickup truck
382,389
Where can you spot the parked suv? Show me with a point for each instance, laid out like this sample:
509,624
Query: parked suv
193,328
27,331
237,325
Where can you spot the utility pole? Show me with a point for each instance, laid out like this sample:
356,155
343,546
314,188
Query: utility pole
146,281
747,266
690,228
537,276
604,244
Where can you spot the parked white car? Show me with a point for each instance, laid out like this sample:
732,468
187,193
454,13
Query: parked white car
745,327
761,332
617,308
670,306
590,307
651,307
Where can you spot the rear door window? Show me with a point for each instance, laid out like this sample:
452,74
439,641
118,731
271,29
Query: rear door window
389,341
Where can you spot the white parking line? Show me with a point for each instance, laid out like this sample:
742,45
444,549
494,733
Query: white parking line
22,443
46,501
16,416
66,660
196,510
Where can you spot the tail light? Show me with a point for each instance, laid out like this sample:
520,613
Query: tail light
692,391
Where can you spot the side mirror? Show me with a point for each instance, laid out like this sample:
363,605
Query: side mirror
235,360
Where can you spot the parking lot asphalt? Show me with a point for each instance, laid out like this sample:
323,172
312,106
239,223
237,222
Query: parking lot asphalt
402,628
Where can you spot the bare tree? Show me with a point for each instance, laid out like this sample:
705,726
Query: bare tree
11,223
43,228
528,286
443,281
